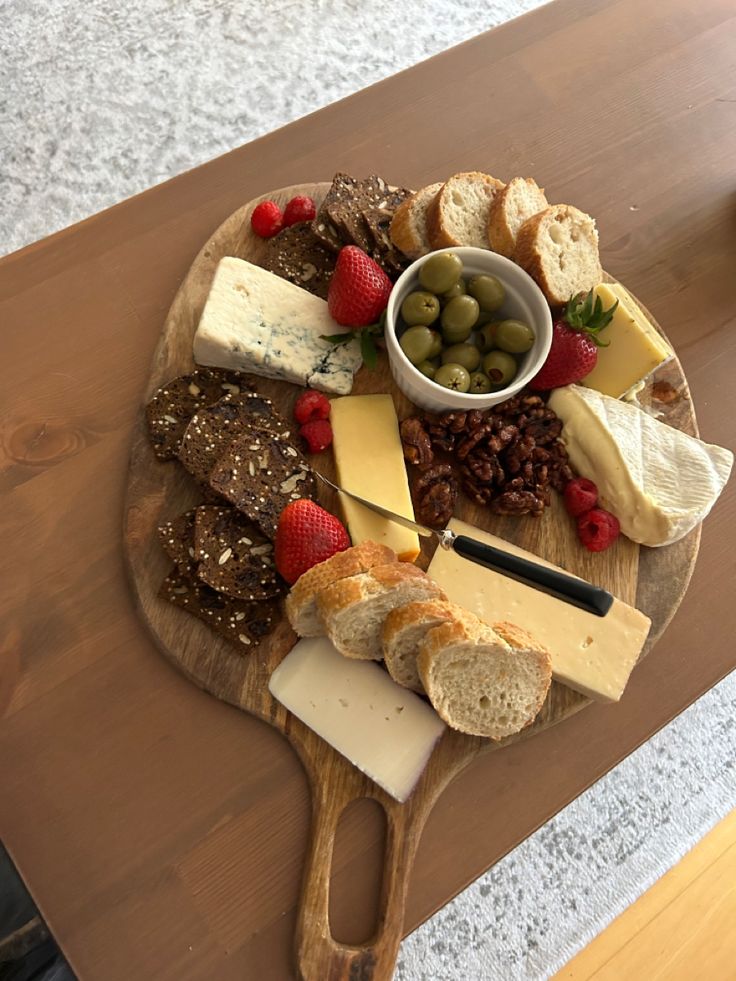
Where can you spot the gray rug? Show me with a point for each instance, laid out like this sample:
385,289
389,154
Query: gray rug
101,101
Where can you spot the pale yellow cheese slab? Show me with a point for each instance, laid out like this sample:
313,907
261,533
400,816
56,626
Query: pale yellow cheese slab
594,655
635,347
370,463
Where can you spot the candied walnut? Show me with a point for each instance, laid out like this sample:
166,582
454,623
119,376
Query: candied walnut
435,494
663,391
517,502
416,442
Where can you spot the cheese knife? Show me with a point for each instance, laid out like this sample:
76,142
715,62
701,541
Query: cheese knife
570,589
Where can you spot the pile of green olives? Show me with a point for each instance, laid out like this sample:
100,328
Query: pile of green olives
450,328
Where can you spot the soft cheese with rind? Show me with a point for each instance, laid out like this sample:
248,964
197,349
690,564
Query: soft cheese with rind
256,322
659,482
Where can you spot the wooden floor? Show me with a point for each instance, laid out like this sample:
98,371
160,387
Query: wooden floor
682,929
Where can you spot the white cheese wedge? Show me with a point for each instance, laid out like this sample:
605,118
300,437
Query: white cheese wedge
658,482
594,655
385,730
370,463
257,322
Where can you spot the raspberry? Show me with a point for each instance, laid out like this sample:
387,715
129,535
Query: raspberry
580,496
300,208
318,435
267,219
311,405
598,529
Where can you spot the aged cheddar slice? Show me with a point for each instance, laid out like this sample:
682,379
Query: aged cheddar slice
594,655
660,483
370,463
635,347
257,322
385,730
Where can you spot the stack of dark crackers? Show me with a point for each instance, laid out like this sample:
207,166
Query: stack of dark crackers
354,212
236,446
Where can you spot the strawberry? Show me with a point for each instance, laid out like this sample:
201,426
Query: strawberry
306,535
359,289
575,343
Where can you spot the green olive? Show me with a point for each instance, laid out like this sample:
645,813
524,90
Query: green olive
440,272
460,313
480,384
453,376
420,308
500,367
427,368
416,343
488,291
487,335
436,348
467,355
485,317
455,335
459,289
514,336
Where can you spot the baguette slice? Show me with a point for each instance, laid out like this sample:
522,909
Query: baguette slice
403,631
485,681
301,603
353,610
559,249
511,207
408,229
459,212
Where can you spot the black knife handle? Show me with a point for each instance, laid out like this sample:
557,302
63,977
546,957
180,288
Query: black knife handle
577,592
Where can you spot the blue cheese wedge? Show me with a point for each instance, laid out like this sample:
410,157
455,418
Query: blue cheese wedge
256,322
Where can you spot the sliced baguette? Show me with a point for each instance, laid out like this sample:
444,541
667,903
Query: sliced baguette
558,247
485,681
353,610
459,212
510,208
403,631
301,604
408,229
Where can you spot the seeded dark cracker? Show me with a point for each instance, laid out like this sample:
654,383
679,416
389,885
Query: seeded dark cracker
341,190
243,623
214,427
298,255
177,540
345,210
169,411
261,476
234,557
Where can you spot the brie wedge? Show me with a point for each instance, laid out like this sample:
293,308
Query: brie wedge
659,482
256,322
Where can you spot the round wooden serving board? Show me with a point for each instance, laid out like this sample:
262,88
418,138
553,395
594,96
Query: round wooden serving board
160,491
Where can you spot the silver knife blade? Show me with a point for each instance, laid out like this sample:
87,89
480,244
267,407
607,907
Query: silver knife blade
391,515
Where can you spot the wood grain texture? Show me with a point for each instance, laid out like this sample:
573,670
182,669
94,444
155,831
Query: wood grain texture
162,833
158,492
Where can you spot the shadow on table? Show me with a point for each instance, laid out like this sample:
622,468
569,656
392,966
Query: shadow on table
27,950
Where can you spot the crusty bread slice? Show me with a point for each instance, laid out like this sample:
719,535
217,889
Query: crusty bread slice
403,631
459,213
353,610
301,605
408,229
558,247
484,681
516,203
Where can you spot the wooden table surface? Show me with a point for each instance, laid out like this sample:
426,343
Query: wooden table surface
162,833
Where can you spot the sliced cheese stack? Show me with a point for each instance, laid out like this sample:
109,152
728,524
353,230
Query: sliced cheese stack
385,730
659,482
370,463
594,655
255,321
635,348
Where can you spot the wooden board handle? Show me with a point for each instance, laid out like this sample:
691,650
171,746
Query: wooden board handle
319,956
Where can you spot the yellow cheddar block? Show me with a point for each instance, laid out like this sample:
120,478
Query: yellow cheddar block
370,463
594,655
635,348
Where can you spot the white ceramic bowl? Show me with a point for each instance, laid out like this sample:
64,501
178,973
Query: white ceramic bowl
524,301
